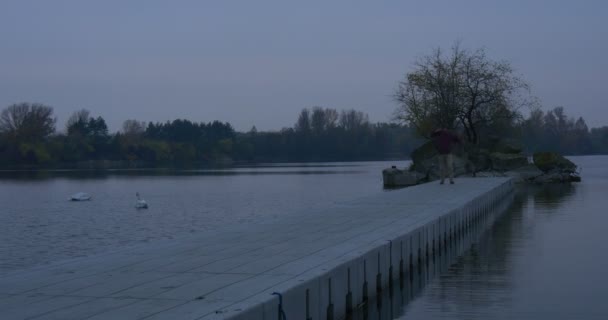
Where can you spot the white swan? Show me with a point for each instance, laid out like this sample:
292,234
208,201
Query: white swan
140,203
80,196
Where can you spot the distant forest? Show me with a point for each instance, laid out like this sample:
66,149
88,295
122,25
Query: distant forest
29,139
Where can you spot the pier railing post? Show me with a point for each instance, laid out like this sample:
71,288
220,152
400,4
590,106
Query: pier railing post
330,306
349,295
365,295
379,276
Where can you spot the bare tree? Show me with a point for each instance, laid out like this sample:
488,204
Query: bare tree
78,121
323,119
353,120
303,124
464,89
133,128
429,95
27,122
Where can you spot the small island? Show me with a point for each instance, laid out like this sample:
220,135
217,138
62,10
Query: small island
483,101
500,159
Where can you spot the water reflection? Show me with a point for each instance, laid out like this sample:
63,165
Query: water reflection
550,196
474,276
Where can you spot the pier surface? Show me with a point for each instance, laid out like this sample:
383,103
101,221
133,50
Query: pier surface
323,262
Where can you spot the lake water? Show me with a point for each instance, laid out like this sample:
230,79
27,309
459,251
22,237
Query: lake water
38,225
544,258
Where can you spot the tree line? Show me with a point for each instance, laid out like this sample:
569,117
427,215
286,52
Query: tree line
29,138
555,131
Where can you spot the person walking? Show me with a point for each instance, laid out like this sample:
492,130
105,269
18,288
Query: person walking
444,141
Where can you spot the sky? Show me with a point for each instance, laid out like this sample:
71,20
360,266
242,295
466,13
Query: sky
261,62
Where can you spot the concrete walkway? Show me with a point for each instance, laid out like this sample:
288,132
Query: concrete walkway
232,272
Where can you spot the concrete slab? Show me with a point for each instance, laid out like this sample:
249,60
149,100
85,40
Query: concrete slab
192,310
314,259
247,288
113,283
263,264
138,310
156,287
24,309
226,264
200,288
83,309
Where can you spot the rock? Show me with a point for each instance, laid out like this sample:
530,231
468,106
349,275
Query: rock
551,161
524,174
507,147
424,158
479,159
500,144
550,178
490,141
507,161
494,158
393,177
556,176
489,174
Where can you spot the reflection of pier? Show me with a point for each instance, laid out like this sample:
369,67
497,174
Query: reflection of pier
323,263
392,303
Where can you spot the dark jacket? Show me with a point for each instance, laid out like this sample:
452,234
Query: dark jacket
444,140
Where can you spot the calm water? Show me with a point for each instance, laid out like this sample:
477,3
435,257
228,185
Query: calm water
545,258
38,225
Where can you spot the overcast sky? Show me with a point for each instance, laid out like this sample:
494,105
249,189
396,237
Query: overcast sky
260,62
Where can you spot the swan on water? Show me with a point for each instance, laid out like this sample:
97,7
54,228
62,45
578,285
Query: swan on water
141,203
80,196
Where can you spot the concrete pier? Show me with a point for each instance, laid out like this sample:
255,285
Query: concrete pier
322,263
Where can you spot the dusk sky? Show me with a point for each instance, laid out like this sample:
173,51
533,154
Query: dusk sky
260,62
